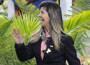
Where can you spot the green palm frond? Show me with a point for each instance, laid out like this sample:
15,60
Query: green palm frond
27,24
27,9
77,26
83,4
80,5
77,22
4,25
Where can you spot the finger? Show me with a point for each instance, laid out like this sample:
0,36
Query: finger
15,31
18,32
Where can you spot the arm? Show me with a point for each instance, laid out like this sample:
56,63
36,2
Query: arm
70,52
24,52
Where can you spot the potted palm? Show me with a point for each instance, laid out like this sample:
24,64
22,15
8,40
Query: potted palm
77,27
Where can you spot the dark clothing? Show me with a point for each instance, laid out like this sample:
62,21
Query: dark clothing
65,52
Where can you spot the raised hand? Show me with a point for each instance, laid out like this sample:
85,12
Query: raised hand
17,37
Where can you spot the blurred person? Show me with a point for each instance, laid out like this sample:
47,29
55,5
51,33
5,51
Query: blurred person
50,45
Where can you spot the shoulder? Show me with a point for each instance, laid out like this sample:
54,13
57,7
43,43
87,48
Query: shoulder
67,40
35,37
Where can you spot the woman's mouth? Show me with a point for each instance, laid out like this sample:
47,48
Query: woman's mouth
42,19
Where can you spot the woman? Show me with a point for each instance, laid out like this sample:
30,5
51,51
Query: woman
50,45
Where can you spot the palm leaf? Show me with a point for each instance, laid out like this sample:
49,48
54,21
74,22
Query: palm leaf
76,27
27,9
80,6
4,25
27,24
76,22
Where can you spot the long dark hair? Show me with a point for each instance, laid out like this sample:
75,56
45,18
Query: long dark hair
54,12
56,22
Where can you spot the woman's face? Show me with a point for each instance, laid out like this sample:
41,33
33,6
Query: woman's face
44,17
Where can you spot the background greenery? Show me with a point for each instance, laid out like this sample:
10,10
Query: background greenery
80,6
77,27
3,8
28,23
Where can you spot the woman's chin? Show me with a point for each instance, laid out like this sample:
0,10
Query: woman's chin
42,24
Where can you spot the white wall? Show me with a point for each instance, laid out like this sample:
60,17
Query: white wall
65,6
11,10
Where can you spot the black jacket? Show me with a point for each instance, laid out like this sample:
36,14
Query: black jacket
66,52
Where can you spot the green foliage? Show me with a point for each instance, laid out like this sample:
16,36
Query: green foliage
81,5
27,24
77,26
27,9
4,8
